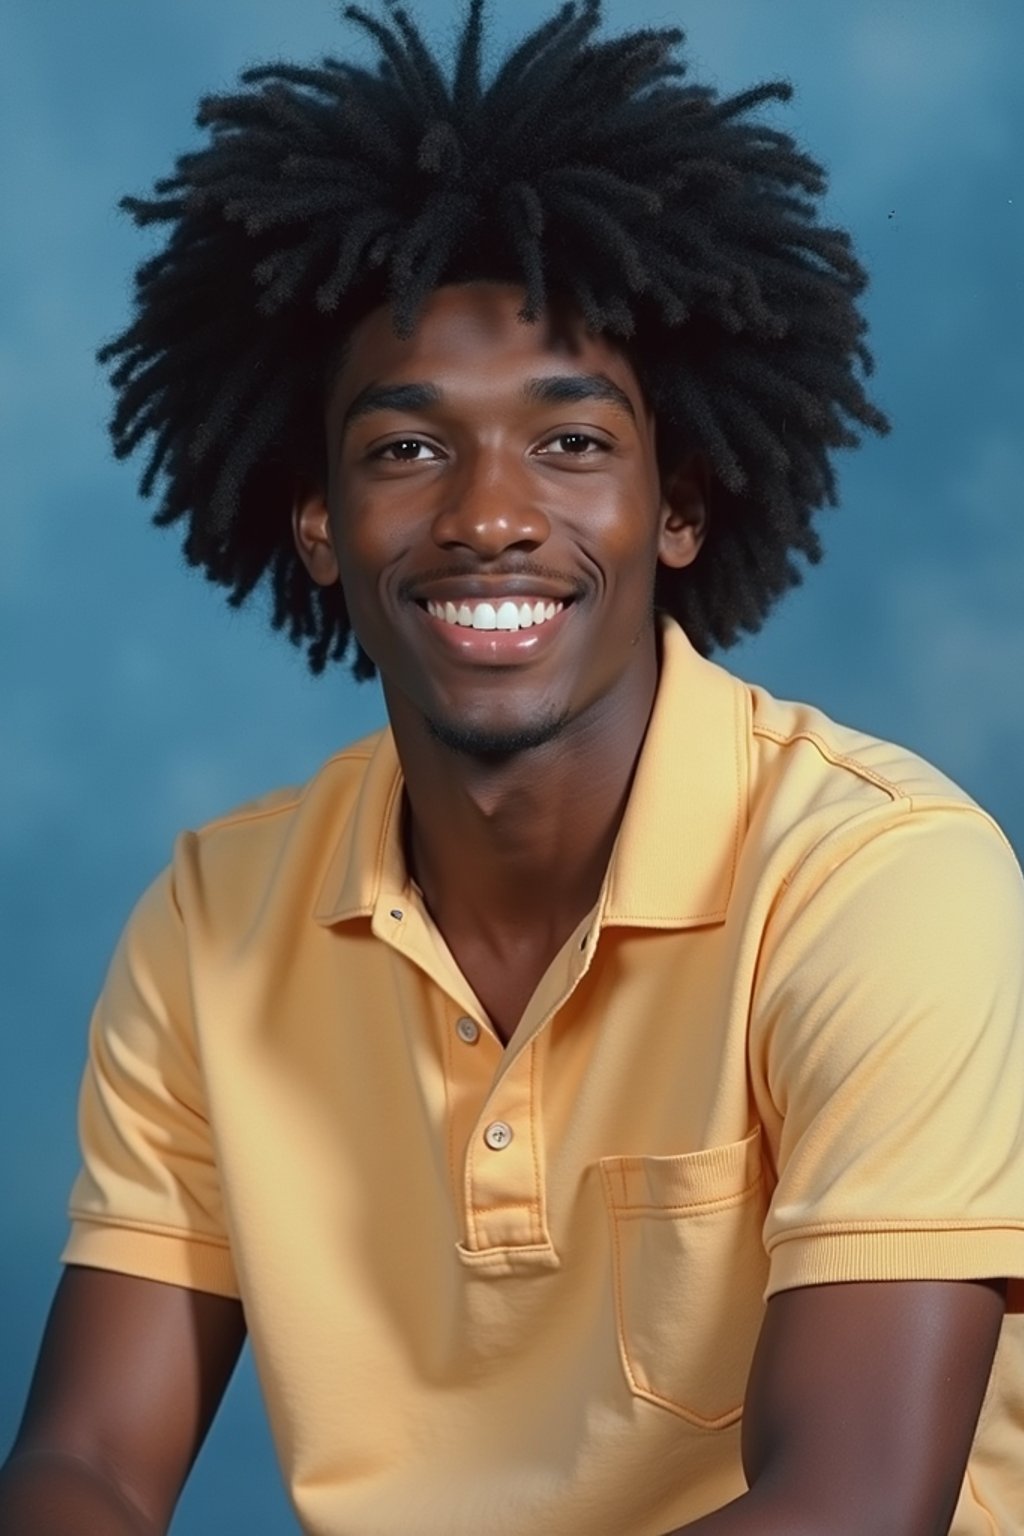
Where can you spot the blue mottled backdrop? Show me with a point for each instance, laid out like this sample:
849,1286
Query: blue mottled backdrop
134,703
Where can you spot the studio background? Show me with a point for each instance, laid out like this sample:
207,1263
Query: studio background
135,703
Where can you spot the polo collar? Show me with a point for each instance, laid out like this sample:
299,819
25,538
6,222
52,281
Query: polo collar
369,861
675,857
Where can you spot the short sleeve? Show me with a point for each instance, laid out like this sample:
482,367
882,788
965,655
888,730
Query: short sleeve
888,1054
147,1201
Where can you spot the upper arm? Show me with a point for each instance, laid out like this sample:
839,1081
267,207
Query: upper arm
129,1377
887,1053
863,1401
890,1048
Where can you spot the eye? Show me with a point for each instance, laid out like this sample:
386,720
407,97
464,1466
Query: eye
575,445
405,450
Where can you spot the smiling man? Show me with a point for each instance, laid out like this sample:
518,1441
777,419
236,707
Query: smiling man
598,1096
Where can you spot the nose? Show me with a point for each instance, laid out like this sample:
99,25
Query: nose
490,507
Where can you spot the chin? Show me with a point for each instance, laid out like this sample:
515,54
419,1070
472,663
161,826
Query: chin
496,741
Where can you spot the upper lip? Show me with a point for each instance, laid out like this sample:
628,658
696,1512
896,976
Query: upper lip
456,589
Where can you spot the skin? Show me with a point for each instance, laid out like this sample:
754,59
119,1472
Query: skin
484,487
863,1398
129,1377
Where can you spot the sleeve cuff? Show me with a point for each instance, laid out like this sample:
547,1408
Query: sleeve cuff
870,1253
177,1259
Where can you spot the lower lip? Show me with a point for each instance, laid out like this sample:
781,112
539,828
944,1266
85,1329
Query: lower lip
496,647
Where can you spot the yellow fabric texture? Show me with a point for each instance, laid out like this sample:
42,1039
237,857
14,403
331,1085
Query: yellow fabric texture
786,1048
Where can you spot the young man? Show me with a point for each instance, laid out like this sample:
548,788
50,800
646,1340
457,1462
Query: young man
597,1097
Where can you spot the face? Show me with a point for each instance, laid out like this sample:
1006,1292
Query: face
495,516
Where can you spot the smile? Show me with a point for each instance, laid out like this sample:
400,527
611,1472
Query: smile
522,613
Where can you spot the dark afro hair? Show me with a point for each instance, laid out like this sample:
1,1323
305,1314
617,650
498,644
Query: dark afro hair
589,170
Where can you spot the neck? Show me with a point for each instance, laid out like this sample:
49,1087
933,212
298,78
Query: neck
520,844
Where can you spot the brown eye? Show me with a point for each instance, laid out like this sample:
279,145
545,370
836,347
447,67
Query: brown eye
575,445
405,451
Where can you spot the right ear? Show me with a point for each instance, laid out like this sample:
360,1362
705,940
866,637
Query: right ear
311,529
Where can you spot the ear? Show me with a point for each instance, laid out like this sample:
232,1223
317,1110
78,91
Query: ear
311,529
684,511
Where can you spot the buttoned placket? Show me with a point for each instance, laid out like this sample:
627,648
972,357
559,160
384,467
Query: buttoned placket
495,1128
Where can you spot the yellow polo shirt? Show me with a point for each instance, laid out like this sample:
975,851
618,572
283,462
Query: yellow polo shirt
517,1290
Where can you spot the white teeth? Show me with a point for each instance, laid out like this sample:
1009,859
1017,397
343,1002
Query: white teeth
506,615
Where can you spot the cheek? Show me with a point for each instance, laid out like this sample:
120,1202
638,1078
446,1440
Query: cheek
621,535
373,527
357,540
355,565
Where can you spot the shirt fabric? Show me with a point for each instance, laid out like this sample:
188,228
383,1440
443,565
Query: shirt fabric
518,1289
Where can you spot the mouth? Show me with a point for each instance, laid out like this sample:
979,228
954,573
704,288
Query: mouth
509,614
498,630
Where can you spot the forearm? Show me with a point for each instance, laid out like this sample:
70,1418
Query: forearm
740,1518
777,1509
45,1493
735,1519
765,1512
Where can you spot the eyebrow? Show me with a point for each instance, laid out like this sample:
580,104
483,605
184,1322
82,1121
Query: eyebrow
553,389
568,388
391,397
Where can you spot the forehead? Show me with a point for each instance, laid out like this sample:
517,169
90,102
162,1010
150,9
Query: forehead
474,331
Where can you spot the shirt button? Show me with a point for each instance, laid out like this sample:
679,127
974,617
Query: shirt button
498,1135
468,1030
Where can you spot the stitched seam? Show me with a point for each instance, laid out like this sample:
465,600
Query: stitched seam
470,1202
664,919
690,1207
738,766
808,856
449,1104
149,1228
617,1291
659,919
510,1205
897,1224
535,1220
236,818
838,759
385,827
496,1248
689,1414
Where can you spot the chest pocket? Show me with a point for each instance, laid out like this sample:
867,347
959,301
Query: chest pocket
689,1271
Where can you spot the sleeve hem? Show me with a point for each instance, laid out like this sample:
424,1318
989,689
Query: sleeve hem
908,1254
180,1260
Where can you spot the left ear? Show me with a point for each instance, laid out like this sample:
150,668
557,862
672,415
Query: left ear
683,514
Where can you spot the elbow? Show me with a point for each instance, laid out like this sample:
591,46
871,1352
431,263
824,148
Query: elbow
45,1491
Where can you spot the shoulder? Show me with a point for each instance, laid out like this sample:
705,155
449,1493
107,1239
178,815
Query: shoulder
825,789
335,784
860,848
800,741
225,869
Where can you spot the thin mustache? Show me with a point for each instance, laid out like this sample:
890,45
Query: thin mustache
407,587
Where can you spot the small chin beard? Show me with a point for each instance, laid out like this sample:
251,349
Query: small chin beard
494,745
